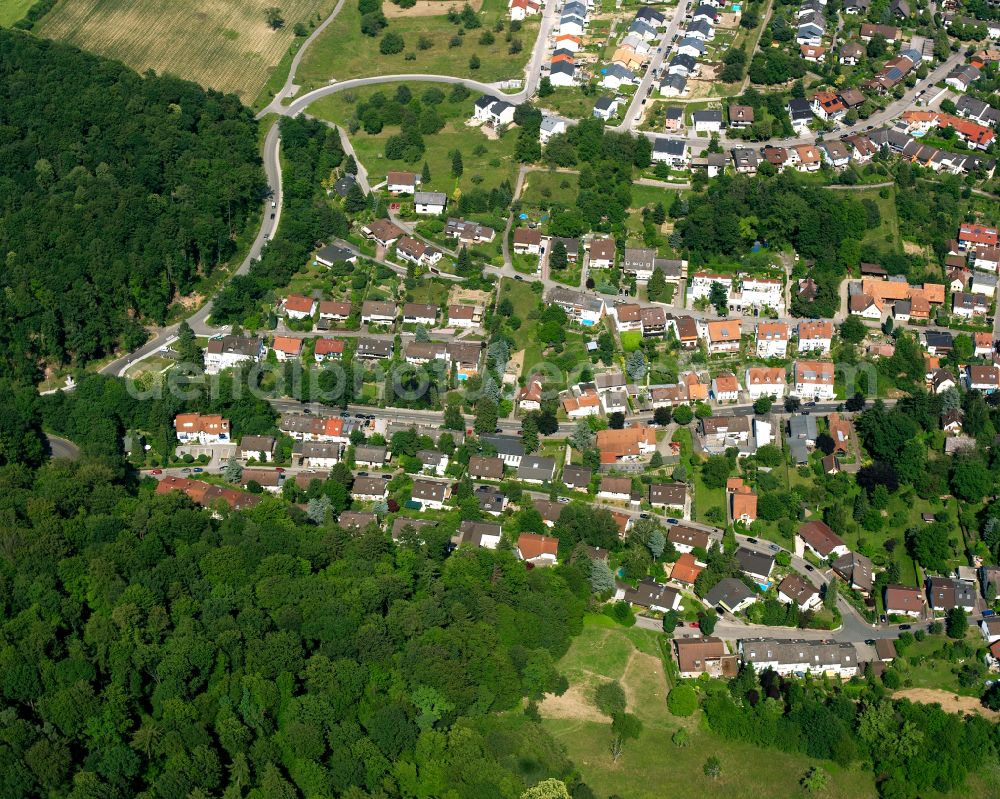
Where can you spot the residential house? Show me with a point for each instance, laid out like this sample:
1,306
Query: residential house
491,499
616,488
969,306
765,382
731,595
328,349
793,656
429,202
577,477
945,593
800,113
708,120
584,308
382,232
295,306
430,493
686,539
813,380
602,253
334,310
962,76
551,126
725,387
493,111
650,595
205,430
509,449
618,76
527,241
432,461
806,157
671,495
772,339
333,254
562,73
755,565
286,348
818,538
828,106
776,156
628,444
673,152
581,402
842,433
697,656
485,468
851,54
371,456
745,160
356,520
373,349
370,489
723,336
985,379
835,153
902,600
890,33
799,591
539,550
378,312
465,316
224,352
468,233
606,107
485,535
402,182
856,570
536,469
984,346
416,313
686,570
258,448
742,500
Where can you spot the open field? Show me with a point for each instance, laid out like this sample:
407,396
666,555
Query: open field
887,233
652,766
953,703
488,159
222,45
13,10
342,51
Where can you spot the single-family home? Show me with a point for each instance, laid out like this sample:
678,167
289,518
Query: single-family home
296,306
765,382
539,550
536,469
708,120
772,339
799,591
402,182
903,600
430,202
224,352
193,428
731,595
818,538
430,493
286,348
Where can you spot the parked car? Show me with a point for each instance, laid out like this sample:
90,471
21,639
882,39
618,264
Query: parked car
186,470
989,613
279,469
157,471
645,516
752,541
774,547
809,568
692,624
518,277
870,641
562,500
905,627
672,521
197,470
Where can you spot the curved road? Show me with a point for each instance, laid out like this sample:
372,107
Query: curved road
62,448
162,337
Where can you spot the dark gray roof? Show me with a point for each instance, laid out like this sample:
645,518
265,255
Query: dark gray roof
669,146
729,593
506,445
707,115
754,563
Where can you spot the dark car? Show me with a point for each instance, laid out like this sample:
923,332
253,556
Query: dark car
752,541
905,627
645,516
672,521
197,470
774,547
809,568
870,641
518,277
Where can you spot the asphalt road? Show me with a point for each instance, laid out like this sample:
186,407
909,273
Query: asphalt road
62,448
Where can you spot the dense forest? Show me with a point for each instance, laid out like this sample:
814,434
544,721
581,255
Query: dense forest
151,650
117,192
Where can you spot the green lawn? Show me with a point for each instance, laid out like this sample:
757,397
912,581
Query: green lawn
887,233
569,102
432,292
525,300
922,665
651,195
651,766
13,10
546,189
342,52
631,339
486,162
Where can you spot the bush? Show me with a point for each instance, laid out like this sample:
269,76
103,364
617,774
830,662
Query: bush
391,44
682,700
610,698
